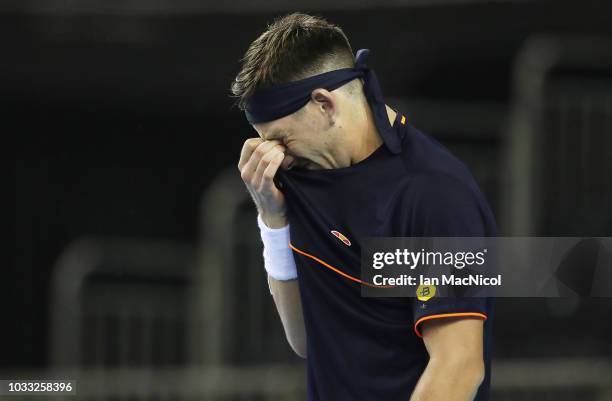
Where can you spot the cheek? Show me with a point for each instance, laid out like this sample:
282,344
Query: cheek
293,142
304,143
296,150
298,146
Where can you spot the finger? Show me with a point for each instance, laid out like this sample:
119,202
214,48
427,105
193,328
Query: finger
263,164
249,170
267,180
287,161
248,148
262,149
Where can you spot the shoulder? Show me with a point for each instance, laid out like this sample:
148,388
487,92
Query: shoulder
440,192
424,155
432,170
432,190
443,205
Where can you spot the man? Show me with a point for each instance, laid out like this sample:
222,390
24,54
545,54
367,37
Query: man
332,164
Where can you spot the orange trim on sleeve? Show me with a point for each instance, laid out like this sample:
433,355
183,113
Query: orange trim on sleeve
340,272
445,315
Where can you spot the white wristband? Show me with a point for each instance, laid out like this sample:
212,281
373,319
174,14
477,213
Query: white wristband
278,257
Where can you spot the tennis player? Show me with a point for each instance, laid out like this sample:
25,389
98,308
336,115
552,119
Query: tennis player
333,163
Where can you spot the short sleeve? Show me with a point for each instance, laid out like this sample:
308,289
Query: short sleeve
445,206
448,308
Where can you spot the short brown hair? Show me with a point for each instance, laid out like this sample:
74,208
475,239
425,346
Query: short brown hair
293,47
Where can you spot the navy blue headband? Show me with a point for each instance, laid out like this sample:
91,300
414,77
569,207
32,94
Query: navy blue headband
269,104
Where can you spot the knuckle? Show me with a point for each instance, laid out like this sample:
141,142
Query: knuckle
248,145
270,156
260,152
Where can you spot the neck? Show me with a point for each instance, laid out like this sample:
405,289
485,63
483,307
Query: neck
368,138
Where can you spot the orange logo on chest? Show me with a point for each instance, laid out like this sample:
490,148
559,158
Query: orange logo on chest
341,237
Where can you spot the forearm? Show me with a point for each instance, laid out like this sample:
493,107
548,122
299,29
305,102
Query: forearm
286,296
258,164
449,380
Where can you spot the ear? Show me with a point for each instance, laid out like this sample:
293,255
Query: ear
324,101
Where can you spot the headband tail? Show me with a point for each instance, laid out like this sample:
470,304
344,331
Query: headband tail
376,100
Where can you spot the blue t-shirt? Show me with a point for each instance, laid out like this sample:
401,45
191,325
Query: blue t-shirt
369,349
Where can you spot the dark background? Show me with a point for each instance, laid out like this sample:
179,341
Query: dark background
117,122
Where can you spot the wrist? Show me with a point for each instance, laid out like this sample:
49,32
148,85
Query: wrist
278,257
274,221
